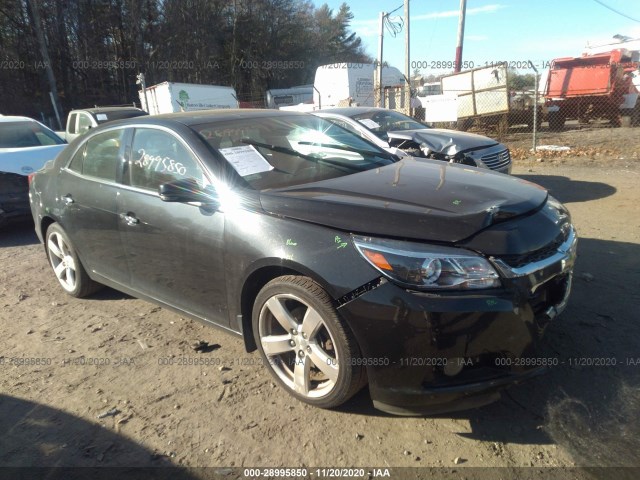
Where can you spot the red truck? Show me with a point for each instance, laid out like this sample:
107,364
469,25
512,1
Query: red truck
592,86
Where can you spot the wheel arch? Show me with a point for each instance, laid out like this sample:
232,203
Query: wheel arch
257,279
45,223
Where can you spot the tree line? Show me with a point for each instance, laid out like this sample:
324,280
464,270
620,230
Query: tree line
96,48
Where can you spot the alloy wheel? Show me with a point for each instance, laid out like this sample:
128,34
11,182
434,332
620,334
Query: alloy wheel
298,345
62,261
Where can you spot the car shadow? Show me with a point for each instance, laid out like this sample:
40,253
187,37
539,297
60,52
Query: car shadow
108,293
571,191
39,441
589,401
18,234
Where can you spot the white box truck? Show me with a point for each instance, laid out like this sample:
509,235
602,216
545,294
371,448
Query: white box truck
336,83
169,97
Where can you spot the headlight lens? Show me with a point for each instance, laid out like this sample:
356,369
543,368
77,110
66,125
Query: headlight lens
427,267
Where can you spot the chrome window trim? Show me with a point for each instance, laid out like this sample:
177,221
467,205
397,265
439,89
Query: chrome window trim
91,178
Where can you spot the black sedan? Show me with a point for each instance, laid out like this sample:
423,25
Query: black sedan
343,264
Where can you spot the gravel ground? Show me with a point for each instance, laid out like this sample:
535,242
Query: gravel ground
144,404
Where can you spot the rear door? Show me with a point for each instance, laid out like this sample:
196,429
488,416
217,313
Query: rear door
175,251
88,194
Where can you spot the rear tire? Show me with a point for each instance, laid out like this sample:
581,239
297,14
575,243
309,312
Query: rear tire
304,343
66,265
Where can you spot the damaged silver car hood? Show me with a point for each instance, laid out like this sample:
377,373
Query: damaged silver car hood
445,141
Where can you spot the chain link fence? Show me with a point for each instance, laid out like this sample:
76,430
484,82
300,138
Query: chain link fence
589,92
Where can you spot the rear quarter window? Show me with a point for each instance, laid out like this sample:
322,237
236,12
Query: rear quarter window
100,156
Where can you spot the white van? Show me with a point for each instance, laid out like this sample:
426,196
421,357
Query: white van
351,84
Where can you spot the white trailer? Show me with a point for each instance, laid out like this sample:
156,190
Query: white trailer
481,91
351,84
169,97
481,94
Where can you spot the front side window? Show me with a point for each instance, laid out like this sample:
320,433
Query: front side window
101,156
158,157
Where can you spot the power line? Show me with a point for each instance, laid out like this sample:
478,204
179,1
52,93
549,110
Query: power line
616,11
392,11
394,24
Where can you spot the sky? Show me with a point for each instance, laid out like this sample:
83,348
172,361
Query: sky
514,31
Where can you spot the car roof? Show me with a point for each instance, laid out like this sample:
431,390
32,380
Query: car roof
106,109
13,118
350,111
206,116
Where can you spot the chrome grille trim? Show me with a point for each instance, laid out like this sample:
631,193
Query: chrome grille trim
541,271
498,160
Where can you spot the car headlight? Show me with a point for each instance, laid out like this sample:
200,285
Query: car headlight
427,267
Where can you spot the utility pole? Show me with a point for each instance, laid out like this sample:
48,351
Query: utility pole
407,57
463,12
379,70
37,25
407,52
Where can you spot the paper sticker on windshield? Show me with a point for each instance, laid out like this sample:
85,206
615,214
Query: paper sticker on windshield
246,160
101,116
367,122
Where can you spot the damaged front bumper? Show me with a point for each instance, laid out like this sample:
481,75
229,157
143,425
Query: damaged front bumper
428,353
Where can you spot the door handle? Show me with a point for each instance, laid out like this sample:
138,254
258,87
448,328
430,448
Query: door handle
129,218
67,199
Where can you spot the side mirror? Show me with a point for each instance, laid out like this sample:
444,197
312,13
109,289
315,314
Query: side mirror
187,190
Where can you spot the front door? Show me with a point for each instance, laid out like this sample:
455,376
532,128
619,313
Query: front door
175,251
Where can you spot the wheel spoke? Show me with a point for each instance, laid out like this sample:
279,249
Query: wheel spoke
311,322
276,344
301,375
281,314
59,269
71,277
53,248
325,363
71,263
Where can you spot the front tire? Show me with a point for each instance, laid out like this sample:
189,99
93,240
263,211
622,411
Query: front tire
304,343
66,265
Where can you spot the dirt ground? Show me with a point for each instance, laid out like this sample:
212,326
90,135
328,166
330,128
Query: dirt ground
228,412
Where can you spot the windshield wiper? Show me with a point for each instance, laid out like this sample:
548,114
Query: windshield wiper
310,158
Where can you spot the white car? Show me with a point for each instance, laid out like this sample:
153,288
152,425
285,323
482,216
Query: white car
403,135
25,146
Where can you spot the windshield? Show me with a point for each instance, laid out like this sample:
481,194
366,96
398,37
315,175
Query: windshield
280,151
380,122
26,134
102,117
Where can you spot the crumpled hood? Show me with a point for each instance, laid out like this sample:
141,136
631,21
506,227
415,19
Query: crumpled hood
441,140
24,161
414,198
